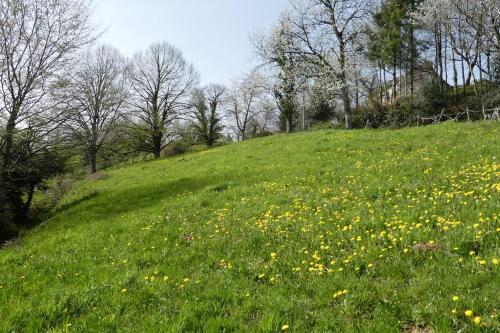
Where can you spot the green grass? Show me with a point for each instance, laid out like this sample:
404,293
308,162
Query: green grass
362,231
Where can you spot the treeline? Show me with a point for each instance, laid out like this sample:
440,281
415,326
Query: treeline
65,98
383,63
341,63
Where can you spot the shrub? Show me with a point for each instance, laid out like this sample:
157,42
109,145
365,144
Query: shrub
373,114
323,126
262,134
404,113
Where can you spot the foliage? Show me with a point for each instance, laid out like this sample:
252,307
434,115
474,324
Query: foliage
208,122
38,39
432,96
22,179
372,115
404,112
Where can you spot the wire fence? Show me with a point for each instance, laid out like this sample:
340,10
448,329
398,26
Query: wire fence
468,116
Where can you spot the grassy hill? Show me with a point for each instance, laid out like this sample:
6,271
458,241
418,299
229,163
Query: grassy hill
374,231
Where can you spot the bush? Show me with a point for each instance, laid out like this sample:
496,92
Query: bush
373,114
404,113
433,100
326,126
7,229
49,197
262,134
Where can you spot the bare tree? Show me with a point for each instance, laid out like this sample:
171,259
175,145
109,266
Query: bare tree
484,18
243,102
37,40
161,81
97,91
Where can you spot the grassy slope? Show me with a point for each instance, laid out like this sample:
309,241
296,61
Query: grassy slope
270,232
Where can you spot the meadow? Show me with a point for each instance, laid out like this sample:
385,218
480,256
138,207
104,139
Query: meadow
329,231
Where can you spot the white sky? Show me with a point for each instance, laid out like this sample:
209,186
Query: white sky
213,34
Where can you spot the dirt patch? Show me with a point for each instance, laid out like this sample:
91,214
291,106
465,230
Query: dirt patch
426,247
101,175
10,243
418,329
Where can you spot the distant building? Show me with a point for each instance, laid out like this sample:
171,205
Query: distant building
423,74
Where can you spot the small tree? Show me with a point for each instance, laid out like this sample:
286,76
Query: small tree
243,105
277,51
208,122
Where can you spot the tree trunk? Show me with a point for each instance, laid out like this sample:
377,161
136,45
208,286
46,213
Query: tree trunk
157,153
357,94
345,87
380,85
157,138
440,59
445,65
8,138
412,59
470,69
488,64
463,76
29,199
385,87
455,73
93,158
93,163
11,195
347,108
462,59
394,83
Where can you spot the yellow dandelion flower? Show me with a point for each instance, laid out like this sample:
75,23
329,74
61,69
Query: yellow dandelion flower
469,313
477,320
455,298
285,327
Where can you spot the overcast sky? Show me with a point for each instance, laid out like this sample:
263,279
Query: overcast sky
213,34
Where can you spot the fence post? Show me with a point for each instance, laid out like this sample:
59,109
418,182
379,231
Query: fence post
484,114
468,115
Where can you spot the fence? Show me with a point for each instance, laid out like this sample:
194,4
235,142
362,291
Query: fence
467,115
